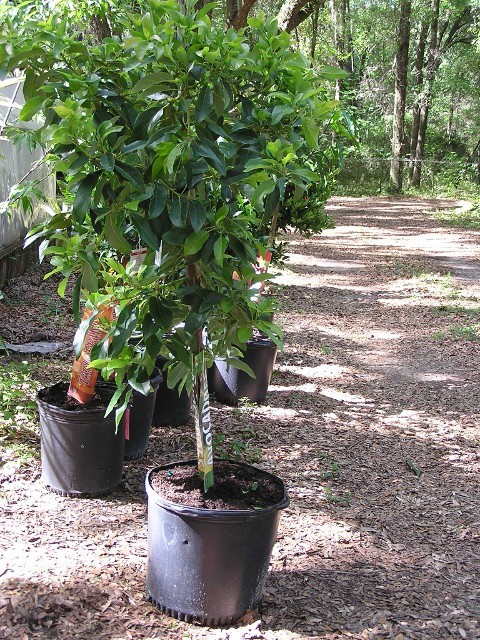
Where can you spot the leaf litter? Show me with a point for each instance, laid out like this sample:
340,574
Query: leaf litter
372,420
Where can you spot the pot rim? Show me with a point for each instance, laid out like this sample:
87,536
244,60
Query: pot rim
46,406
214,514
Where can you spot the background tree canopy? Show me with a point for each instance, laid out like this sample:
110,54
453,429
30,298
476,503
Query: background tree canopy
411,91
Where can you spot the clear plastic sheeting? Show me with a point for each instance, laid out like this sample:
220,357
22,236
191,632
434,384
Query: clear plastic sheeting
16,163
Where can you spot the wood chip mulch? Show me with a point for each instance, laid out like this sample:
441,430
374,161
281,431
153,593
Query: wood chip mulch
372,419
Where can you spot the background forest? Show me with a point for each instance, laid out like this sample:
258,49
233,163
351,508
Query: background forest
412,90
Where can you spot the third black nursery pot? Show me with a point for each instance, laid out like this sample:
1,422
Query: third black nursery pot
170,407
209,565
140,420
230,384
81,449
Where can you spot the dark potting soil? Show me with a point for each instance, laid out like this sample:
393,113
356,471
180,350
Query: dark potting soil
236,487
57,395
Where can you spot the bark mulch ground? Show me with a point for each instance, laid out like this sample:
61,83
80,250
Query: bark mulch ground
372,419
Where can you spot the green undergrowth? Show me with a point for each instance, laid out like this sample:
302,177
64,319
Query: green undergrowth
18,421
466,218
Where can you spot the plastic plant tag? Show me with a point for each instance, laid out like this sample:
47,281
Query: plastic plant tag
83,379
261,267
203,426
137,256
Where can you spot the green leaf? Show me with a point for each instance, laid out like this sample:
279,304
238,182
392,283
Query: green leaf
244,334
219,249
115,397
153,80
158,202
79,336
131,174
63,111
162,314
115,236
195,241
83,197
175,213
172,156
89,279
76,299
197,213
145,231
279,112
332,73
62,286
242,365
311,131
263,189
31,107
107,161
210,152
204,104
175,237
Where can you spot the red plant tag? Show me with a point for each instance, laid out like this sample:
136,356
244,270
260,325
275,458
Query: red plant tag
127,424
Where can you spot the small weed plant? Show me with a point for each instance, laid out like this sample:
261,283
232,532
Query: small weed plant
240,447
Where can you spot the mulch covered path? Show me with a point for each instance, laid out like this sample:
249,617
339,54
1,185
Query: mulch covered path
372,419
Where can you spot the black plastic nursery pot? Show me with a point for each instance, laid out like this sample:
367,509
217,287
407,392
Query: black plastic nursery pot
170,407
81,451
140,420
208,565
229,384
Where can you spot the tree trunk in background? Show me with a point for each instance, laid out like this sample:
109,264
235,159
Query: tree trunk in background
418,81
100,28
432,67
341,39
294,12
313,45
401,69
237,12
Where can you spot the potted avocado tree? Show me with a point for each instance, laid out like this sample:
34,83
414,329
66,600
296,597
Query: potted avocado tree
162,136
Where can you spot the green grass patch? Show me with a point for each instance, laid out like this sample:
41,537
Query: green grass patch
470,333
18,423
456,310
467,219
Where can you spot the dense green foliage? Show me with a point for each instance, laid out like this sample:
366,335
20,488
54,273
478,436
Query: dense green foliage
183,139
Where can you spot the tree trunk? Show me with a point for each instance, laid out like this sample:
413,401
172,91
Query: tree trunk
418,81
237,12
432,67
478,164
100,28
401,69
293,12
313,45
451,113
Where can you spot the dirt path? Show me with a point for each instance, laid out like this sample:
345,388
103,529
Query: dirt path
372,419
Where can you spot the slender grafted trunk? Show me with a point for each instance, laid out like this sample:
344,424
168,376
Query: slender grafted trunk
401,68
432,67
417,83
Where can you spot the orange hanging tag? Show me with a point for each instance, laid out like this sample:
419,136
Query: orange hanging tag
83,379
